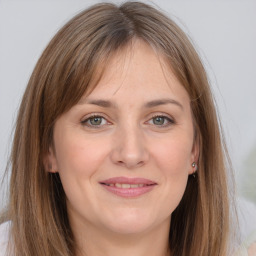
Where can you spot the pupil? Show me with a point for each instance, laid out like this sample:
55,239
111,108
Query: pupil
158,120
95,120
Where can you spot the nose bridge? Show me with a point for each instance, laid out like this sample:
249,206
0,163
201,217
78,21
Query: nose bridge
129,148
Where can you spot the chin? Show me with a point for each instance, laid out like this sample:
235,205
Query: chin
130,223
129,228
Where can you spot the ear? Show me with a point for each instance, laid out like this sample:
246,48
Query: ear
50,162
195,155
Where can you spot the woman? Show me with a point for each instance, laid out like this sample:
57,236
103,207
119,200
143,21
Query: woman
117,148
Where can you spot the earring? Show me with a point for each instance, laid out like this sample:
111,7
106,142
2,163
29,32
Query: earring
50,169
194,165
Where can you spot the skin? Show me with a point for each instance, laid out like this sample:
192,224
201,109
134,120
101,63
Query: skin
131,142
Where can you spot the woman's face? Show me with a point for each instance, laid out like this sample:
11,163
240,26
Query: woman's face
124,152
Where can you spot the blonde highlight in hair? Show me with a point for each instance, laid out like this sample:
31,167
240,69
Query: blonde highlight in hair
71,66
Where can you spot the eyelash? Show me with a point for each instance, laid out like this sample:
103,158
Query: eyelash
85,121
169,120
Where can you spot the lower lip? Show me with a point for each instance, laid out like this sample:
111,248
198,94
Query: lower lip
129,192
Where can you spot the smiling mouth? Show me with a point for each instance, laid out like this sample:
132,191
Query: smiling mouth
120,185
128,187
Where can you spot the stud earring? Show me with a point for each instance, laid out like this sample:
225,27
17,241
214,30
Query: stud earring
51,169
194,165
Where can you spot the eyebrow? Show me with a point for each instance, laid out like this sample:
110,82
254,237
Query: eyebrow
150,104
155,103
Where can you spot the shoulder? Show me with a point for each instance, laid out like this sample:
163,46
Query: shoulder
248,248
247,219
251,244
4,237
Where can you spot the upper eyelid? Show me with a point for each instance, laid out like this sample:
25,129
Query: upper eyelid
104,115
161,115
91,115
84,122
170,120
108,119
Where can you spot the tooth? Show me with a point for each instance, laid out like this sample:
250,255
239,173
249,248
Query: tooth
119,185
126,186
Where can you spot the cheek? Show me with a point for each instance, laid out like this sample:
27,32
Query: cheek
78,160
173,156
79,156
174,164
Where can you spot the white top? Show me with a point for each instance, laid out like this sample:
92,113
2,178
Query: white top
246,244
4,237
247,220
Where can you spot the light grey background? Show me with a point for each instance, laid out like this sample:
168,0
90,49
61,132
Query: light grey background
223,31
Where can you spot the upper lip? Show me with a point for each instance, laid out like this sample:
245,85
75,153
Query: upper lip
126,180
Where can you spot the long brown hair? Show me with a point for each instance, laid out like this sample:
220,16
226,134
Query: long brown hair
71,65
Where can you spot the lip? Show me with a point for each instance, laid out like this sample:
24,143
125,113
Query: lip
148,185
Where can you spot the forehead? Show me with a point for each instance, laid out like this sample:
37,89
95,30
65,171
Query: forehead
137,69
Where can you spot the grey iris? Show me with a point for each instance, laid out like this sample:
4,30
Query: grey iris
95,120
158,120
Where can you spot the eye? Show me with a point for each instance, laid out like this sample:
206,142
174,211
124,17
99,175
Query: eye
161,121
94,121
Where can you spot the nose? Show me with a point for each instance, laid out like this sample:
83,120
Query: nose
129,149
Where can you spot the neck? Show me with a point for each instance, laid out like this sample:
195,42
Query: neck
92,241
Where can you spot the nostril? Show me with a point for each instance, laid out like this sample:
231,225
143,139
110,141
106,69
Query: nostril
128,156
